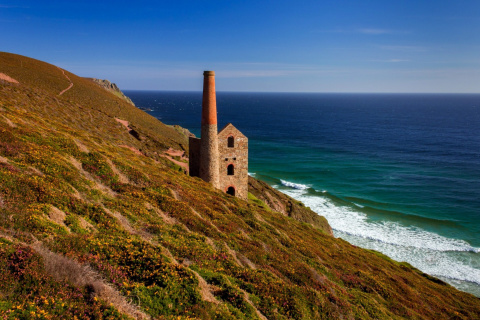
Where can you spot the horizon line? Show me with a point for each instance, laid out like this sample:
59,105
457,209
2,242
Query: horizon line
322,92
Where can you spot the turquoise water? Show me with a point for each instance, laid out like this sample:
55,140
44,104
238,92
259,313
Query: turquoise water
392,172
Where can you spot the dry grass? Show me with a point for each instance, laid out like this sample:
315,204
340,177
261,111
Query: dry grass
65,269
247,299
9,122
84,224
81,146
165,217
121,177
205,290
271,265
121,220
233,254
97,184
57,216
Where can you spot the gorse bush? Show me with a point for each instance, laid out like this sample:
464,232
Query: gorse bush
97,224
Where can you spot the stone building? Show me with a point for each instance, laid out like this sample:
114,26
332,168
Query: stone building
220,158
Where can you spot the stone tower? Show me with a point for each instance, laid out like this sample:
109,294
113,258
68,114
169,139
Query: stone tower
209,142
219,158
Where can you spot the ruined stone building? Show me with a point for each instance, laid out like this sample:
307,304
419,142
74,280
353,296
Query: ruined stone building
220,158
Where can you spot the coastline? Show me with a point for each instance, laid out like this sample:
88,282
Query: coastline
428,252
348,164
93,215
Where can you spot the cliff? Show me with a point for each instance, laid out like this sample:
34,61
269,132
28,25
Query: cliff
112,87
286,205
96,222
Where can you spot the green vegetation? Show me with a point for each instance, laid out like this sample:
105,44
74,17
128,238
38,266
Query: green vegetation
257,201
91,229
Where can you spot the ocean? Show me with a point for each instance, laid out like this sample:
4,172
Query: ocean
397,173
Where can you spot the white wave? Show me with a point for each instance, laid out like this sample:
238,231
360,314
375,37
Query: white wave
294,185
430,252
251,174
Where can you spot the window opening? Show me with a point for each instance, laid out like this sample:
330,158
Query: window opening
231,142
230,170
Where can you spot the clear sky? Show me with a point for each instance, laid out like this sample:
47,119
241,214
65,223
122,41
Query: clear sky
302,45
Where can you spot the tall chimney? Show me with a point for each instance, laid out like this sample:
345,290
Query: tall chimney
209,166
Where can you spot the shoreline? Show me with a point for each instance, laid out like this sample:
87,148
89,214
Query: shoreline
295,190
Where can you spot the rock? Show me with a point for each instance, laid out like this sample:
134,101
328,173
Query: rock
286,205
112,87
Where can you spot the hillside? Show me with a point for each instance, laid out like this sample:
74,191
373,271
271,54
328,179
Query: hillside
111,87
95,222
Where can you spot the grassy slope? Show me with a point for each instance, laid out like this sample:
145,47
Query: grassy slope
286,205
86,225
89,101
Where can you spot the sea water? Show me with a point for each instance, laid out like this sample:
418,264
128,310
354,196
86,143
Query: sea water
397,173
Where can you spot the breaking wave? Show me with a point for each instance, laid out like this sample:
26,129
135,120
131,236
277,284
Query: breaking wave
297,186
432,253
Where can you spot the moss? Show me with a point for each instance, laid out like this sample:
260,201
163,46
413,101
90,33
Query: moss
257,201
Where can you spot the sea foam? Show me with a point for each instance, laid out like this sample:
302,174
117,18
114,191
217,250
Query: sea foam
430,252
294,185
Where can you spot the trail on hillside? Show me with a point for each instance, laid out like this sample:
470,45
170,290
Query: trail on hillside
71,83
5,77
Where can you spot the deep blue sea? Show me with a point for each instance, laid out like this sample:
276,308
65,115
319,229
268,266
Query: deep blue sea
397,173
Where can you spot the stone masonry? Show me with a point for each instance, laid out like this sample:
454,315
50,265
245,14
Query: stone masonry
219,158
235,155
209,143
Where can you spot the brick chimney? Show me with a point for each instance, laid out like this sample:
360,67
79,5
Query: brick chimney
209,166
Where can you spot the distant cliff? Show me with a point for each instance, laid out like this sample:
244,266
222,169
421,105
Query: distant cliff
113,88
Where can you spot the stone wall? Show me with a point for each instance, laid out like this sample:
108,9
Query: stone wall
194,156
209,155
236,156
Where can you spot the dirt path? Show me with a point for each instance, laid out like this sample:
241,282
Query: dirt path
71,83
170,153
4,77
124,123
132,149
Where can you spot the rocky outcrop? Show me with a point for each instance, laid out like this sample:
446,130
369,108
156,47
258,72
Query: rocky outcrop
286,205
113,88
184,131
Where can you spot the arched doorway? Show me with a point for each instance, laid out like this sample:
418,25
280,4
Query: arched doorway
231,191
230,170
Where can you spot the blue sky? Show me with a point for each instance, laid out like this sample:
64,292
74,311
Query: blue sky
301,46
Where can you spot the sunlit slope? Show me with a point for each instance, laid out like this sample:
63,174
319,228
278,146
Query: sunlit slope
92,228
86,96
